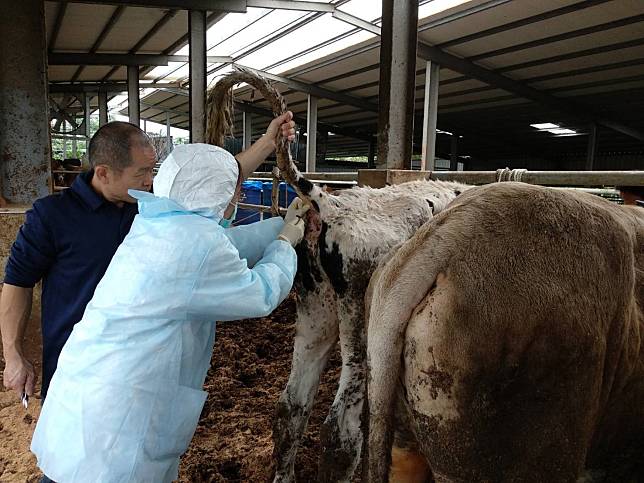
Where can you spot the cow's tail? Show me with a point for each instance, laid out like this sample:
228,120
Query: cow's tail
220,123
395,290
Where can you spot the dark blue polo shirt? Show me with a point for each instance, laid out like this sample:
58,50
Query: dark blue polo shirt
67,240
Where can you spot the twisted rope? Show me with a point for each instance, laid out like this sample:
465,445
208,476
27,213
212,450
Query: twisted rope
507,174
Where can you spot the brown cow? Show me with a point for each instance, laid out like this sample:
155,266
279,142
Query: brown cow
508,332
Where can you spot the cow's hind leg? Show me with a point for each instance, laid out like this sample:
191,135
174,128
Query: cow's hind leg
315,339
341,435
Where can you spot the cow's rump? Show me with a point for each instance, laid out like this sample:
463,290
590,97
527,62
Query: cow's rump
521,358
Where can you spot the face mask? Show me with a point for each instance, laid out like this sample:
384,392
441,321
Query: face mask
227,222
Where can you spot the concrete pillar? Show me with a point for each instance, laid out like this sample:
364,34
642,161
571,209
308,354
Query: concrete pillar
133,102
312,133
430,115
592,147
25,167
102,108
247,127
399,35
197,53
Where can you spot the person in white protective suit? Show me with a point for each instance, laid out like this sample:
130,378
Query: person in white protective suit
124,402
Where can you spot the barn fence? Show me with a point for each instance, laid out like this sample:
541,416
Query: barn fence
601,183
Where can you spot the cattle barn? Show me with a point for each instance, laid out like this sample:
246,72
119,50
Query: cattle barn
450,150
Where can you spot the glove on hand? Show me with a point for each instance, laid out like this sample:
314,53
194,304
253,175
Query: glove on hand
294,225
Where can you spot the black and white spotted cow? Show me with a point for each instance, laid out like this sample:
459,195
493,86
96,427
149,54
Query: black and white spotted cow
347,235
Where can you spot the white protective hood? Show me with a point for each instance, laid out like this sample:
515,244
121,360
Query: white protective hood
200,177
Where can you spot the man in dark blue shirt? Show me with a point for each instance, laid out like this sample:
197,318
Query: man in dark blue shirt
68,240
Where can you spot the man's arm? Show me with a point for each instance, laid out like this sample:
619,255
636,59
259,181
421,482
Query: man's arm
15,309
32,254
281,126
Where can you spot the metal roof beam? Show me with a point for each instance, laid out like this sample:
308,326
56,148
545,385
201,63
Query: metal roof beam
318,91
222,5
60,15
572,87
103,87
559,75
147,36
60,58
182,41
573,55
462,14
356,21
118,11
211,59
291,5
465,66
557,38
162,109
209,5
589,70
575,7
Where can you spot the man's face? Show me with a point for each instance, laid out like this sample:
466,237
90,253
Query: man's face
137,176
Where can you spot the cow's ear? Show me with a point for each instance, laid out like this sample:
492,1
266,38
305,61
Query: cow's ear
431,204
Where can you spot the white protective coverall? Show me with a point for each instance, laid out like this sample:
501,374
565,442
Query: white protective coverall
126,397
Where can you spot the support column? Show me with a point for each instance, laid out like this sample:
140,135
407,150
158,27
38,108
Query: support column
247,130
312,130
25,168
197,53
102,108
430,115
453,163
399,35
87,111
133,102
592,147
168,136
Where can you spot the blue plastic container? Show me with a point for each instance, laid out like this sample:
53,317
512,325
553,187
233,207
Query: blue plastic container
251,193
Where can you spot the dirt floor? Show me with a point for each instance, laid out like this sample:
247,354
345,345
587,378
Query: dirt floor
232,443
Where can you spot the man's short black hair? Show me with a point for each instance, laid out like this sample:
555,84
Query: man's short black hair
111,145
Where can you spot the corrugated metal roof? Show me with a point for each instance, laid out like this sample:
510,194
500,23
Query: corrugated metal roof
590,52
